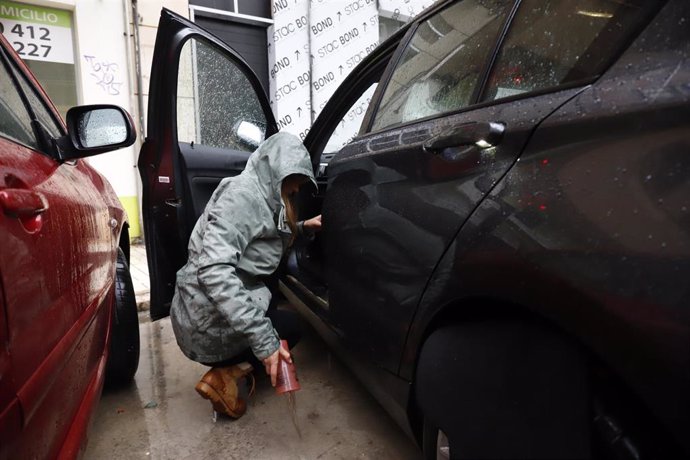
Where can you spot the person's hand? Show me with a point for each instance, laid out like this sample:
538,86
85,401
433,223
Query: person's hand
313,224
271,363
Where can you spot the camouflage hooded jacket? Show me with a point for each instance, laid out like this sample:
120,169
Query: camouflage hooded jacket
219,306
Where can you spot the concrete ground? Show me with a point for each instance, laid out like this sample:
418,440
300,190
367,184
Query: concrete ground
161,416
139,269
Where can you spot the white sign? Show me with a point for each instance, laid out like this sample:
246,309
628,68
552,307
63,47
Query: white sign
342,34
290,73
38,33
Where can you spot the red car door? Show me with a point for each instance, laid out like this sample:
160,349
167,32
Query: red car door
56,267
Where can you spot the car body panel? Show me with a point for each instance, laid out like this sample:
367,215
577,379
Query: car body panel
594,219
305,270
179,178
57,270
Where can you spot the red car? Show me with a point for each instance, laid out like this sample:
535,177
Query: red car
68,319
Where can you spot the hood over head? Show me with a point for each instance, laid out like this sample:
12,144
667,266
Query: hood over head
276,158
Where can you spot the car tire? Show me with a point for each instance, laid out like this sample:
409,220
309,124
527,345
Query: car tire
123,357
503,389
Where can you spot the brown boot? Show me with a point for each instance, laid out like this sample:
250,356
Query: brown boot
220,385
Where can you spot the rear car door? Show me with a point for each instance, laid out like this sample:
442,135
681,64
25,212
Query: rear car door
444,129
207,113
56,268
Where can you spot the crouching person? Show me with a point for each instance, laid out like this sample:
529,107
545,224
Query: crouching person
220,313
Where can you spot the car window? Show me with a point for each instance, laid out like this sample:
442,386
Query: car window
351,123
38,106
217,105
555,42
440,68
15,122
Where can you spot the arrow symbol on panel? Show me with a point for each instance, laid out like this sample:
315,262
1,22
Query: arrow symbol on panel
299,112
365,26
297,55
339,14
341,69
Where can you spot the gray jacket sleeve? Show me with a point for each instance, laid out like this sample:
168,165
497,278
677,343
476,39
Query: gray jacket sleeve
232,224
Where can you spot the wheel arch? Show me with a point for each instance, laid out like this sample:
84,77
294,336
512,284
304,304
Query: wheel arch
497,324
463,310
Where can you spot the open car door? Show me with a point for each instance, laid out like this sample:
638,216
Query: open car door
304,277
207,112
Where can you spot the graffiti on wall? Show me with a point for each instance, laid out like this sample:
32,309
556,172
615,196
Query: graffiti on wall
105,74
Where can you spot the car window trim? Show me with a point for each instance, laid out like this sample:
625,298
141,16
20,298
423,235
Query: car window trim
481,87
370,116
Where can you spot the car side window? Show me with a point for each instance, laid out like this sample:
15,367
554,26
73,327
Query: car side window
15,122
555,42
351,123
441,67
217,105
39,108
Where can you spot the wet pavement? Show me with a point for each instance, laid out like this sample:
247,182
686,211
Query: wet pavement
161,417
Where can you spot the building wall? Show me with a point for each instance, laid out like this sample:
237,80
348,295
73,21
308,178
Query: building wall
103,56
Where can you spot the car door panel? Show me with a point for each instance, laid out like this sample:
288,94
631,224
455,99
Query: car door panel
304,271
70,312
203,168
188,148
386,194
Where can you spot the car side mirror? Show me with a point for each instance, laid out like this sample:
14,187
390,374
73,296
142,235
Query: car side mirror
94,129
249,133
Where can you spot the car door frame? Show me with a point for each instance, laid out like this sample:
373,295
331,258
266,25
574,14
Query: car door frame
163,181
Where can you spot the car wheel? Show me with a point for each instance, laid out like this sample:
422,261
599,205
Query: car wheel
503,389
123,358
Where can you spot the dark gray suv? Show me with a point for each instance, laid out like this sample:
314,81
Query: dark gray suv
505,251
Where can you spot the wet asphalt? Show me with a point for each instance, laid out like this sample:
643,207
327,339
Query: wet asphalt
160,416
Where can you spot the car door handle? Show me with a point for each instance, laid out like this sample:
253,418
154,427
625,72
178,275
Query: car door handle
472,135
17,202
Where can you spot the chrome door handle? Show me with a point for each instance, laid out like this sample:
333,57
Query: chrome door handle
472,135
